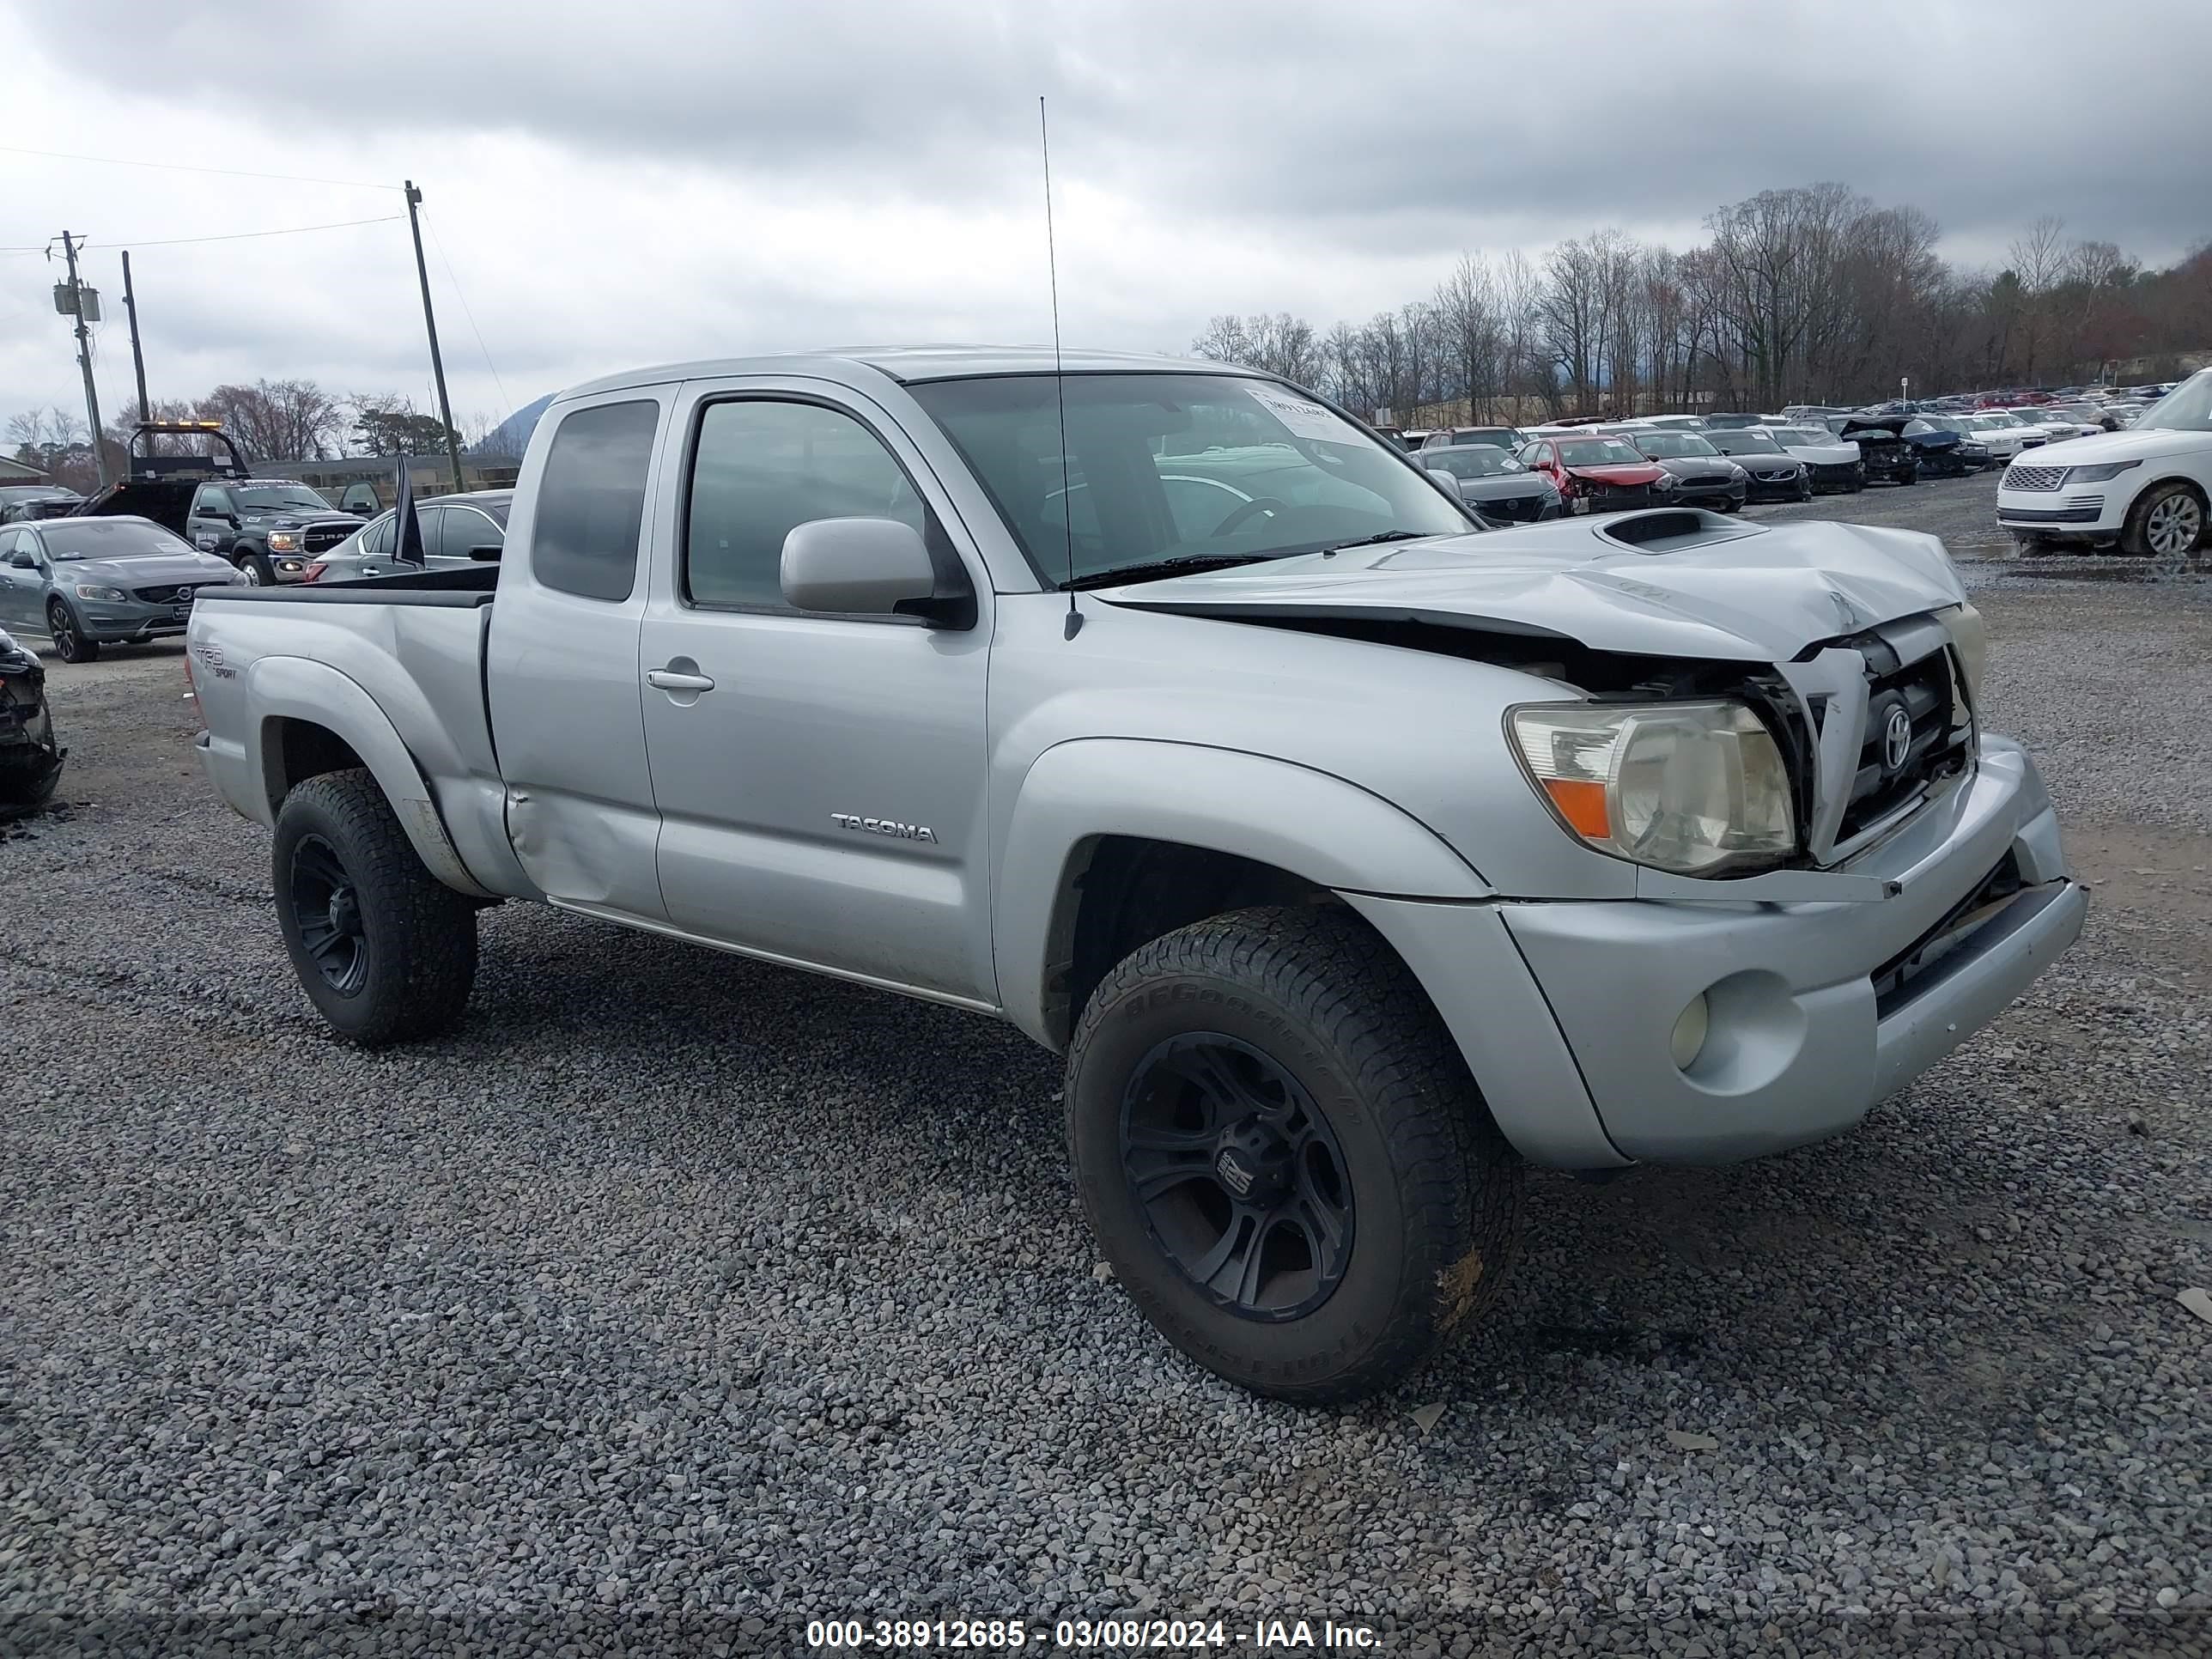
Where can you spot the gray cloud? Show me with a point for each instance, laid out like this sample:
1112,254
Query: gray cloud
648,181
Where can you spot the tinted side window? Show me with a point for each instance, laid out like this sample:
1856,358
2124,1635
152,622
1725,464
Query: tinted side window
763,467
213,500
466,529
376,540
591,502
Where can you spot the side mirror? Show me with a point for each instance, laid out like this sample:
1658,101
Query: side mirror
861,567
1448,480
23,560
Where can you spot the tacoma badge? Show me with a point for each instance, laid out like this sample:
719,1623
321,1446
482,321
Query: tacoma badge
884,826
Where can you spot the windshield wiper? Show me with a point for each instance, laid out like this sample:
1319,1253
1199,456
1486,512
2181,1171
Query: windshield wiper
1148,569
1384,536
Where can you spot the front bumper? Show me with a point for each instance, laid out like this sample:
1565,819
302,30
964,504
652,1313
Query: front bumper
2089,513
132,622
1803,1042
1779,489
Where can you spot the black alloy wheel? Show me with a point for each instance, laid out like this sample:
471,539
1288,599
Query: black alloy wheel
1238,1174
328,912
70,643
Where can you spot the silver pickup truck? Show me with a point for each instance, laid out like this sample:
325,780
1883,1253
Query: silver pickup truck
1354,858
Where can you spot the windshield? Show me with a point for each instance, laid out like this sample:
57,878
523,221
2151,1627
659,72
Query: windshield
264,498
2001,420
1503,437
1475,461
1746,443
1672,445
1598,452
1178,466
2187,408
110,538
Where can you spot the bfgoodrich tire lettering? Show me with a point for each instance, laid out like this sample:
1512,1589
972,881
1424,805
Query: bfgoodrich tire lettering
384,950
1434,1190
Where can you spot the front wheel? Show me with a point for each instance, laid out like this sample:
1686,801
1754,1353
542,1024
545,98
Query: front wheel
2166,524
1283,1157
384,950
259,573
70,642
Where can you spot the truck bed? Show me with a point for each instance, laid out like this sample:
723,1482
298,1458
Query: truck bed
414,644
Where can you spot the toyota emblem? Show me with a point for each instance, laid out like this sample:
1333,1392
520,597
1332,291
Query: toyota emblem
1896,739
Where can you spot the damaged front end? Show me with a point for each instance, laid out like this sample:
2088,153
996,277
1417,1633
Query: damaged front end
30,759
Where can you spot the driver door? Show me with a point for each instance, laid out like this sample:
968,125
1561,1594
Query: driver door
20,589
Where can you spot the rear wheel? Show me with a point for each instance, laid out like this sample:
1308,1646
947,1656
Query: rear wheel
1283,1157
70,644
384,950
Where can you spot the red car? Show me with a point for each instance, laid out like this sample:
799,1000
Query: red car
1599,475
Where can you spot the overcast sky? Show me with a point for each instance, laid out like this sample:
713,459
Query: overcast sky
611,184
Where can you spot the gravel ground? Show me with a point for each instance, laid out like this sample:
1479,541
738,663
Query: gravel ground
677,1300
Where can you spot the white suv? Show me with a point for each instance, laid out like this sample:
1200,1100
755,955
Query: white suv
2146,486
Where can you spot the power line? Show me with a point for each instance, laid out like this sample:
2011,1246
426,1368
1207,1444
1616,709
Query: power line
439,242
246,235
181,167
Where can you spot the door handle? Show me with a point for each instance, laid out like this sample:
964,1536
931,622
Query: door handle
670,679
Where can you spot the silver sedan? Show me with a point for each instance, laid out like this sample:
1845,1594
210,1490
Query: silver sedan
84,583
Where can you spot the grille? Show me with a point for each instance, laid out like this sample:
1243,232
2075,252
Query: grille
1923,691
174,595
2035,477
1835,470
1522,509
1773,478
1620,495
321,537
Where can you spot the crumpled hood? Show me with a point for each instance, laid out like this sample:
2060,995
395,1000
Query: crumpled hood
1738,592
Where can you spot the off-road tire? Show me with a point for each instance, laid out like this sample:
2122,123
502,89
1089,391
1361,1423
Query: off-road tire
1436,1188
67,634
420,935
2134,533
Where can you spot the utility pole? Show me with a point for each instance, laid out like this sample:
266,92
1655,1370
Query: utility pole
430,321
138,355
84,358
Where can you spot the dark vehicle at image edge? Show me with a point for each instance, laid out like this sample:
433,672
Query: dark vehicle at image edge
30,759
1945,448
272,529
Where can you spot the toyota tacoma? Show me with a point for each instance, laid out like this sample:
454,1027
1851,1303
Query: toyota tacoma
1354,858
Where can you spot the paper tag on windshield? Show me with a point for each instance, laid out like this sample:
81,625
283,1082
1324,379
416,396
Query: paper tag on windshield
1304,418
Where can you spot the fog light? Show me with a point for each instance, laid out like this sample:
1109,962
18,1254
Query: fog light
1689,1039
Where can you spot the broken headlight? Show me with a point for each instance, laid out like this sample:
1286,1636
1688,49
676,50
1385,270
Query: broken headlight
1696,789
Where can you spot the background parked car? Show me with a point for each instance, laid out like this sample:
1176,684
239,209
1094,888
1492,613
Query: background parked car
1457,437
2147,487
270,528
1889,458
457,530
1702,476
21,502
1946,450
88,582
2056,424
1830,464
1495,484
2026,435
1774,475
1735,421
1599,475
30,759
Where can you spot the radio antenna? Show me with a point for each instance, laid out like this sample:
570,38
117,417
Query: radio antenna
1074,625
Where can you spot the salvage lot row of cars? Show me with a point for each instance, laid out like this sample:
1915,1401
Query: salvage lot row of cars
2090,473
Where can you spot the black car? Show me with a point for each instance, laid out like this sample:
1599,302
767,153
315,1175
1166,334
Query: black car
270,528
1776,475
1889,455
22,503
1494,484
1702,476
30,759
1948,449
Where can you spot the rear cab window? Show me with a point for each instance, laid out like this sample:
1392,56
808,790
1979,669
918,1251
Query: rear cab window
591,500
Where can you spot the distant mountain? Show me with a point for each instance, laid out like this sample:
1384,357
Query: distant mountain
512,436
